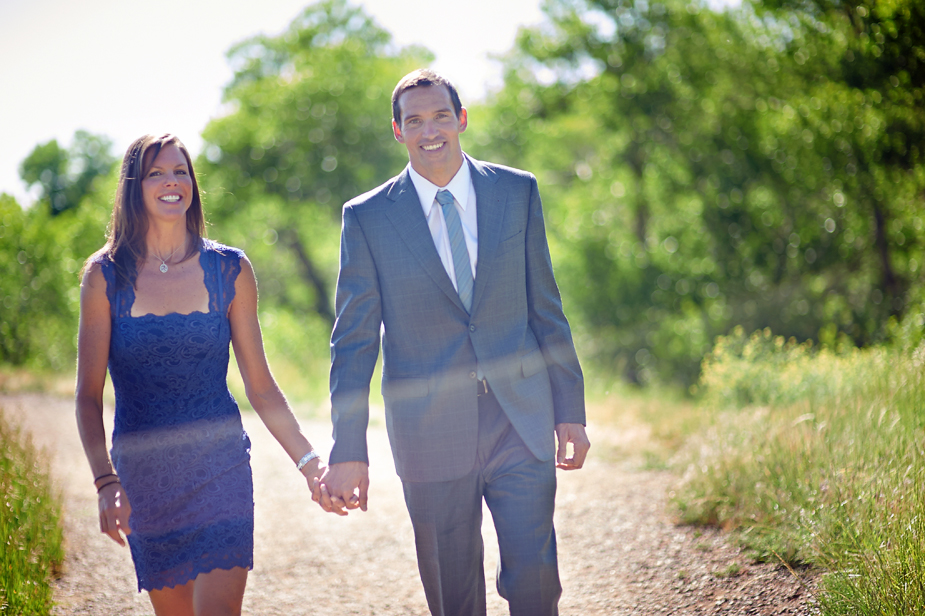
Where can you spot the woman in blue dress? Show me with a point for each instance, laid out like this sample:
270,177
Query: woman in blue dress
159,306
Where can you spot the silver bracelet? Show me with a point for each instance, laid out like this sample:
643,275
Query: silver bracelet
311,455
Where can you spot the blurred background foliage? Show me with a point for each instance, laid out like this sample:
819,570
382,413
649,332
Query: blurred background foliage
757,167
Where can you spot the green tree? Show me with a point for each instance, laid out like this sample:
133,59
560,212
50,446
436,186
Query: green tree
622,101
862,109
702,172
41,254
309,130
66,176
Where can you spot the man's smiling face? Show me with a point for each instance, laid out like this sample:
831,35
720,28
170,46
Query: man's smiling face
430,130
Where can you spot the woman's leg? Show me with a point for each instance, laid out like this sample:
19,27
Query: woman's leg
176,601
219,592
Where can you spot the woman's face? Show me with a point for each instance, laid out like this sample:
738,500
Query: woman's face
168,186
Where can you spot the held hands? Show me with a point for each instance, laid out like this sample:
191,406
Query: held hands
313,472
343,486
114,512
575,434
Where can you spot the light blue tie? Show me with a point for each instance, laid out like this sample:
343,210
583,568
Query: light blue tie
458,246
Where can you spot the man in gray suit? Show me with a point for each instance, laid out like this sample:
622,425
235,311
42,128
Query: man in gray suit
449,263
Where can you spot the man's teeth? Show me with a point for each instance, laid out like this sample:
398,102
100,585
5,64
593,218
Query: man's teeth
436,146
171,198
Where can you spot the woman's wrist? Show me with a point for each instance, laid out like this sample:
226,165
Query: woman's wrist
105,484
102,480
304,460
106,479
311,467
103,476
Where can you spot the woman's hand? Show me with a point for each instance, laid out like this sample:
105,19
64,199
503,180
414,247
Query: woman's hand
313,472
114,512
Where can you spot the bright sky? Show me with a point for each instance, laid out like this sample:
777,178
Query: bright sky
123,68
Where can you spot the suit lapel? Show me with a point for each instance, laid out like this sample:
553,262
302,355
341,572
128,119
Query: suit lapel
490,206
409,222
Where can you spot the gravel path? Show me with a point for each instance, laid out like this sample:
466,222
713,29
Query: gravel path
619,552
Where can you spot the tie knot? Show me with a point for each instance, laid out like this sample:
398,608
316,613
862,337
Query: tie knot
444,197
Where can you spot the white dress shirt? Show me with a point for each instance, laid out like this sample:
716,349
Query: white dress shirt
464,193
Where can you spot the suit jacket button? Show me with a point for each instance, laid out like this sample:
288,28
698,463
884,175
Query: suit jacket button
472,328
472,375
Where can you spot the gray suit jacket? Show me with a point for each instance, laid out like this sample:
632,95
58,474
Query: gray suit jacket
392,282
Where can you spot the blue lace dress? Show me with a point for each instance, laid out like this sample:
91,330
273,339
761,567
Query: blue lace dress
178,444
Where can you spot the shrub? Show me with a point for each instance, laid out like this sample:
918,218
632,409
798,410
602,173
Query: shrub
30,527
818,456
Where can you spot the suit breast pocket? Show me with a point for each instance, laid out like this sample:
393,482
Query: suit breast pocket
511,242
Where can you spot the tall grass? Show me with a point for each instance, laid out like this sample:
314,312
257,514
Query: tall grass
30,527
818,457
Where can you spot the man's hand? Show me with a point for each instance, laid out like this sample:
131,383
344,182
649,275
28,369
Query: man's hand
573,433
343,486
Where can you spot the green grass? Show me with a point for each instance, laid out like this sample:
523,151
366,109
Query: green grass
817,457
30,527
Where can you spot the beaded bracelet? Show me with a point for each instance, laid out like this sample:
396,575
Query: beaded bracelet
99,489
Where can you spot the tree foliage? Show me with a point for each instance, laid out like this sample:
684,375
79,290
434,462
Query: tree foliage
756,167
308,129
41,254
66,176
707,170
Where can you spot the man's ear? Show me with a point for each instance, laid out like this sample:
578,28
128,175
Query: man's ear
396,130
463,120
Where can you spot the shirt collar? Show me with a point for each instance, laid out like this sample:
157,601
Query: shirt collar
427,190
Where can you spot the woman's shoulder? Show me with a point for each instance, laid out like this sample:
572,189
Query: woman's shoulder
95,269
97,277
223,250
99,264
100,258
229,262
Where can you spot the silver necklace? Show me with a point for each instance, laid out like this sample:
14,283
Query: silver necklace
163,267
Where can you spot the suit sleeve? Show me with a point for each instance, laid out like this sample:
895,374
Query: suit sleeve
548,321
354,342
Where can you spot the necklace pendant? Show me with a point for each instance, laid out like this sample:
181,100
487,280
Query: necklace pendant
163,268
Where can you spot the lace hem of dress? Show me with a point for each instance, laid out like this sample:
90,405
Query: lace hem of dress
172,559
187,572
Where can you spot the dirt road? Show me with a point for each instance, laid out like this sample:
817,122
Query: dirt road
619,553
